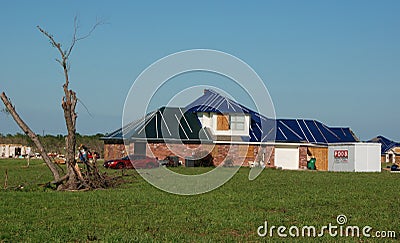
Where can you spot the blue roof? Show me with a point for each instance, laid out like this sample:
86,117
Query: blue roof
386,144
311,131
166,123
212,101
183,124
263,129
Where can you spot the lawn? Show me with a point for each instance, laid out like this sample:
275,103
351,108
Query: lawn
136,211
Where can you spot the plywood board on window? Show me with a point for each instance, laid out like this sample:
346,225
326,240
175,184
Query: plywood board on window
222,122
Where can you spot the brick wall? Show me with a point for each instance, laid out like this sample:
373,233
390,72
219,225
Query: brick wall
114,151
243,154
270,151
302,157
162,150
238,153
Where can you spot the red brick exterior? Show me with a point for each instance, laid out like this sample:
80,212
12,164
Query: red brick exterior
237,153
270,150
113,151
302,157
162,150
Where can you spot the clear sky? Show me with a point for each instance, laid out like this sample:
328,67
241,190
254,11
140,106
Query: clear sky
334,61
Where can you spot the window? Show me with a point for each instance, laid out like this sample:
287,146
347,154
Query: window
237,122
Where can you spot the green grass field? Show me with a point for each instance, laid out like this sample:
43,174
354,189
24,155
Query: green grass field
136,211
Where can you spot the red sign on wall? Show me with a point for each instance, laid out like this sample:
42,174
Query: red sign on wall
341,156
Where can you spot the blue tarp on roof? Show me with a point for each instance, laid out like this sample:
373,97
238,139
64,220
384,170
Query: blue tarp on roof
115,135
166,123
311,131
263,129
212,101
386,144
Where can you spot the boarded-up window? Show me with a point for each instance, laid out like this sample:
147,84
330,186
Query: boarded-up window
222,122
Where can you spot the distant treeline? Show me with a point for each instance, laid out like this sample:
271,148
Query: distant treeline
56,143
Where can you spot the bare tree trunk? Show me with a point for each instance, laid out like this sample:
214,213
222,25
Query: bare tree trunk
31,135
68,105
75,179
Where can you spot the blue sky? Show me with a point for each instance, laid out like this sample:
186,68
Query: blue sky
334,61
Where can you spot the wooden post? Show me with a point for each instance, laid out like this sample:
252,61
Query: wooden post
28,152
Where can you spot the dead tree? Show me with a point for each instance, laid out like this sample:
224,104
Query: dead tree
73,179
11,110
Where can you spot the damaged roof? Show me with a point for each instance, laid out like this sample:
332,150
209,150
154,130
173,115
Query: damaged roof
386,144
312,131
173,124
164,124
263,129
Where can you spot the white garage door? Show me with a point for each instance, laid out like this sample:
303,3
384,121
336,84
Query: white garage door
287,158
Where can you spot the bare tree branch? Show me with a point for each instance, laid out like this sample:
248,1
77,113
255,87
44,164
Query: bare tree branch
31,135
98,23
87,110
75,37
52,41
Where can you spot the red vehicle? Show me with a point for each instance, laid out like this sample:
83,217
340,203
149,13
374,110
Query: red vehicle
132,161
94,154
